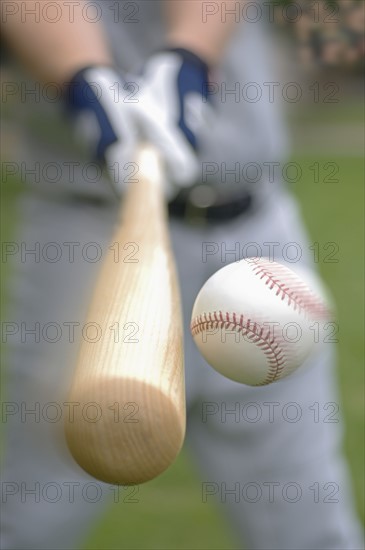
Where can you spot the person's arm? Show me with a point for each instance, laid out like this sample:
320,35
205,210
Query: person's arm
203,29
76,52
54,52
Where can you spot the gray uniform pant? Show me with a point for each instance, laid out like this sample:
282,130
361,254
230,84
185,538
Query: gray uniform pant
268,454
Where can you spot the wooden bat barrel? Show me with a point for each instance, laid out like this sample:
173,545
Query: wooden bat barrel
129,422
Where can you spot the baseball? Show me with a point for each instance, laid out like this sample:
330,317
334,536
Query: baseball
256,321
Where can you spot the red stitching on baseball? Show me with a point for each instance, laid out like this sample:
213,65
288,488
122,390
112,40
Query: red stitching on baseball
288,285
275,355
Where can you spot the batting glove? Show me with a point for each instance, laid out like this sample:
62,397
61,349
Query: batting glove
172,110
98,98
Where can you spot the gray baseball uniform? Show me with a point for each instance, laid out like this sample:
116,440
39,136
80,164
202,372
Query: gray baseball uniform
265,453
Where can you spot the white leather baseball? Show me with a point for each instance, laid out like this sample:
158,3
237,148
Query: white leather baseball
253,320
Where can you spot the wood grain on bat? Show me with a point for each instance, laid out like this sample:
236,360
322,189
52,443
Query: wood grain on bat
137,383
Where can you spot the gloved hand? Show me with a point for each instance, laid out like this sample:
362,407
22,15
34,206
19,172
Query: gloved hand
171,111
169,108
98,97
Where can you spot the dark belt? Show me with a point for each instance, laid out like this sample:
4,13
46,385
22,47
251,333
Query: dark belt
183,208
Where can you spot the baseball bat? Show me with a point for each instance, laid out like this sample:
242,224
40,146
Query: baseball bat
128,394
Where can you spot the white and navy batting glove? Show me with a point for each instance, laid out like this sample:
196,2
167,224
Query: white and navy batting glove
97,98
172,109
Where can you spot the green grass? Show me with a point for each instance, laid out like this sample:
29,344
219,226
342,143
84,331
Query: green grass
322,112
334,212
169,514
